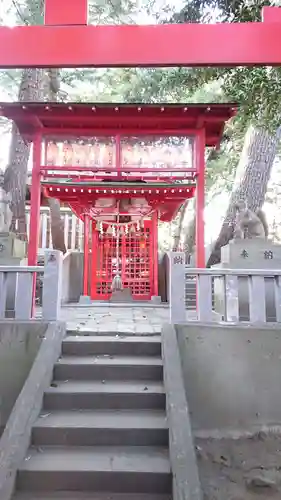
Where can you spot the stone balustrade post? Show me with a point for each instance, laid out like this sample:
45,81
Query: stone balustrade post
52,285
177,287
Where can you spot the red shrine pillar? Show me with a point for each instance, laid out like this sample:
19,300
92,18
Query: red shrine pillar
199,152
35,199
86,255
155,251
94,257
118,156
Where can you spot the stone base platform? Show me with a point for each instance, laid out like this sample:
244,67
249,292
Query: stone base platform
257,253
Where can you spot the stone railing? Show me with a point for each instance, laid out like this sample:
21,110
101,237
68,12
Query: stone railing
221,294
17,285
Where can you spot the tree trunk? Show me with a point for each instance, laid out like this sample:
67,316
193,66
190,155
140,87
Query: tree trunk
178,230
253,174
35,85
15,176
57,225
190,236
52,87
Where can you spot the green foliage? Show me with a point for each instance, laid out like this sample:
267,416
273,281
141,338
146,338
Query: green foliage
220,10
26,11
112,11
256,90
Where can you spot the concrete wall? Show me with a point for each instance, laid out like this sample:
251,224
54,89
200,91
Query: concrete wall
186,485
19,344
16,437
232,376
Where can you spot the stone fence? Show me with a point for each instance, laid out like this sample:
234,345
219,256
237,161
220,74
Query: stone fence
221,294
17,284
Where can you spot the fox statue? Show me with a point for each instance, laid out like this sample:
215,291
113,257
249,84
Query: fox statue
249,224
6,214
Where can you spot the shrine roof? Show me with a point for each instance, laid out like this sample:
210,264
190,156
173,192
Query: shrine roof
57,120
128,186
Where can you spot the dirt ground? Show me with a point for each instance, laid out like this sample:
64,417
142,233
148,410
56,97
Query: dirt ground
240,469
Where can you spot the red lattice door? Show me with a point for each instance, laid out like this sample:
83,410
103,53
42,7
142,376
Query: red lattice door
136,263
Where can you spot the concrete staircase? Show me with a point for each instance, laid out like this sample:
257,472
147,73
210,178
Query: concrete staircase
102,433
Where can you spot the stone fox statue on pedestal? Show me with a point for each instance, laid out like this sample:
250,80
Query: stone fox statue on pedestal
249,224
6,214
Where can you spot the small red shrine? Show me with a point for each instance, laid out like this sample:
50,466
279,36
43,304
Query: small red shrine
121,168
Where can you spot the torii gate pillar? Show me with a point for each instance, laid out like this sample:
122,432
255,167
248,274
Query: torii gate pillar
200,198
68,12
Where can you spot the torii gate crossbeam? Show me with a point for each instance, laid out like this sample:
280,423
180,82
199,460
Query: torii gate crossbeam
67,41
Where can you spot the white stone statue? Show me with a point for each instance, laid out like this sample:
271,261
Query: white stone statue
5,211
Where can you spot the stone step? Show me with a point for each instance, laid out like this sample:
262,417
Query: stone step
115,395
103,367
119,345
108,469
101,428
72,495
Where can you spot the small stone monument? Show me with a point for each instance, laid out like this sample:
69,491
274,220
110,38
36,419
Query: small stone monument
5,211
12,249
249,249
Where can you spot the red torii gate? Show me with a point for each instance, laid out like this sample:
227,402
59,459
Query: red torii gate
65,40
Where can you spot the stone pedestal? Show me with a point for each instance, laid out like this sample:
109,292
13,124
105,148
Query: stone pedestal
12,253
124,295
249,254
85,300
11,247
257,253
156,299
